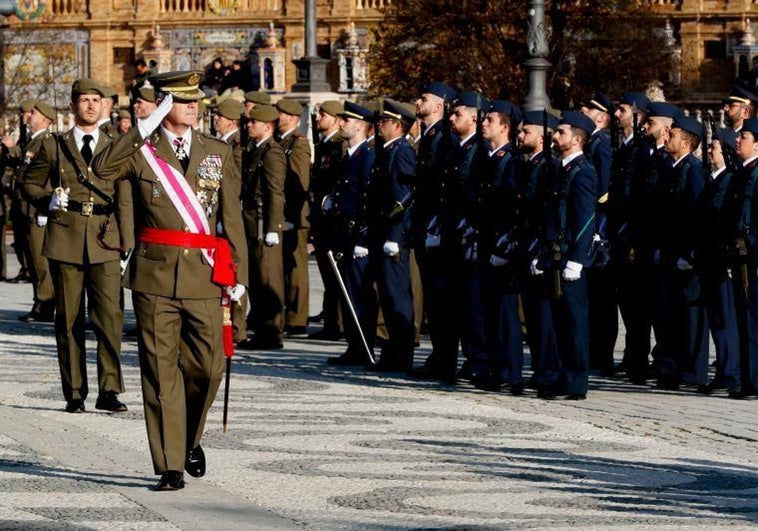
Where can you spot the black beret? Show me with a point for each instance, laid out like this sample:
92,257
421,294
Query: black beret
439,89
577,119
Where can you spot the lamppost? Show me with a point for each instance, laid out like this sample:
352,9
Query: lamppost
537,64
311,69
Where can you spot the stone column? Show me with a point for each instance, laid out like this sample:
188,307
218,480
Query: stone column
311,69
537,64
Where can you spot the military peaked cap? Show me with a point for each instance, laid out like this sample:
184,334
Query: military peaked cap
398,111
353,110
264,113
577,119
751,126
440,90
181,85
601,102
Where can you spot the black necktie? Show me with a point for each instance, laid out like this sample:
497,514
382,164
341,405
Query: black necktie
86,149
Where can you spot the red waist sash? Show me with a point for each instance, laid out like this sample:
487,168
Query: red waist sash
224,268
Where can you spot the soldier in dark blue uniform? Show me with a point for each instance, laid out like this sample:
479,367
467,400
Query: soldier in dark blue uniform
444,243
569,228
623,208
497,197
600,281
389,222
743,203
714,265
533,177
682,189
346,207
435,143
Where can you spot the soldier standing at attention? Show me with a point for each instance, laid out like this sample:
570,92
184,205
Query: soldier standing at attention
569,227
106,120
44,296
263,213
82,245
227,124
255,97
295,245
324,177
144,104
182,271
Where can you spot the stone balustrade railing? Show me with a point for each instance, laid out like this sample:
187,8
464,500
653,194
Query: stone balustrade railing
371,4
243,7
68,8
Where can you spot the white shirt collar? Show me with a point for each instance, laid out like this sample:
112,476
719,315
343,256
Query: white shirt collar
569,158
187,136
536,153
258,144
353,149
628,139
79,137
493,151
330,135
229,134
386,144
717,172
680,159
464,140
751,159
287,133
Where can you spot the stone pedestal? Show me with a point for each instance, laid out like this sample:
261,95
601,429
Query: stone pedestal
311,75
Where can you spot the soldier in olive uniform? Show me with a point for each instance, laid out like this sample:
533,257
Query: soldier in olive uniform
227,123
255,97
106,120
295,245
324,175
179,182
144,104
82,245
44,297
263,213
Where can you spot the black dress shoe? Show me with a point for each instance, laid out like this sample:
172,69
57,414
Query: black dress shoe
736,394
296,331
486,382
575,396
316,318
257,344
108,401
75,405
170,480
547,395
517,389
195,462
325,335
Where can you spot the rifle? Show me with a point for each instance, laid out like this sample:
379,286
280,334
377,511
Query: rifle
635,125
314,126
556,247
731,159
704,148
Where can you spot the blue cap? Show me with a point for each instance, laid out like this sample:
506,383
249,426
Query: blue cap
471,99
636,98
537,118
506,107
729,137
397,111
577,119
601,102
439,89
741,95
685,123
751,126
663,109
353,110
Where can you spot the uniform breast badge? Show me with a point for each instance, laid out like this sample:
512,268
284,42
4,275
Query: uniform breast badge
209,174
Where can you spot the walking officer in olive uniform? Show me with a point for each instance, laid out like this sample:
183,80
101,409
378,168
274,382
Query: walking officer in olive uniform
82,244
44,296
569,227
183,273
295,242
263,178
328,154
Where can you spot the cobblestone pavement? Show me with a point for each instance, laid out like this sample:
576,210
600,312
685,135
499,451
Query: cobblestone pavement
311,446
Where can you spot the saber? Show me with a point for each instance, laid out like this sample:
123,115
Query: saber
370,355
226,389
228,352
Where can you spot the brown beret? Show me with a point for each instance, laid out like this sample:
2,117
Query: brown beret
85,86
124,115
258,97
332,107
291,107
230,109
27,105
264,113
45,110
108,92
147,94
200,108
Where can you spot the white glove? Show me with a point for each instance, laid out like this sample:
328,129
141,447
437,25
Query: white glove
59,200
151,123
433,240
271,239
235,293
391,248
496,261
505,238
288,225
657,256
327,203
359,252
468,232
219,227
534,269
463,223
471,253
682,264
432,224
572,271
41,220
